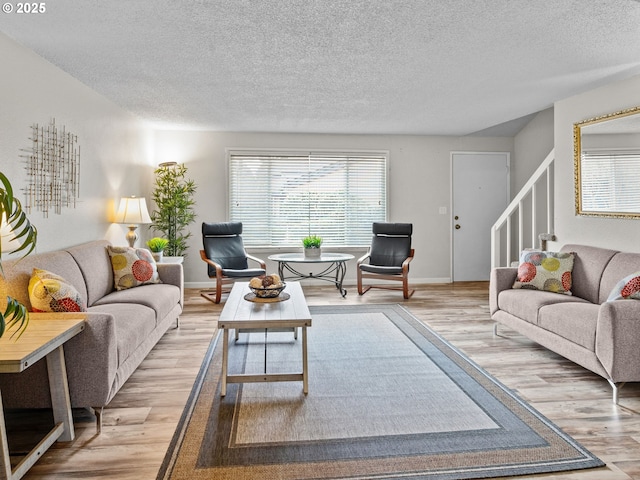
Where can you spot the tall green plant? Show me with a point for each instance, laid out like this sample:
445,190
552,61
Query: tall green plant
173,196
20,228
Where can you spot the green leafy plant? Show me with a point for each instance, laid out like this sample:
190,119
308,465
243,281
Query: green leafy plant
312,241
157,244
173,196
20,229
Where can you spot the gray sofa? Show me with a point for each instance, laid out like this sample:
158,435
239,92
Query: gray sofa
121,326
602,336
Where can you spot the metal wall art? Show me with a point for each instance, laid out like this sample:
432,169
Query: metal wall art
53,169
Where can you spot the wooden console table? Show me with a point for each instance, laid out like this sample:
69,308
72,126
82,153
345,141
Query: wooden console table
44,337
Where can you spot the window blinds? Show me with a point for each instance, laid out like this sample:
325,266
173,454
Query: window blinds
610,181
281,198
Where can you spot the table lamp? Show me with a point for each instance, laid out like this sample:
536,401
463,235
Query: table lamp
133,211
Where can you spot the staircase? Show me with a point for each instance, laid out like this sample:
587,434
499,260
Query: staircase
527,220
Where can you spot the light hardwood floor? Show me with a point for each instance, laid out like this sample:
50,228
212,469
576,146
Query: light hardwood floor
140,420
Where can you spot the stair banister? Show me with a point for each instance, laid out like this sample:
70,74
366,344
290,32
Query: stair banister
517,205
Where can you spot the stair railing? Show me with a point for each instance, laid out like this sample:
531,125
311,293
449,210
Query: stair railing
539,214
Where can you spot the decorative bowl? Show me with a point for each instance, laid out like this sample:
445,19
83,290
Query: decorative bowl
268,292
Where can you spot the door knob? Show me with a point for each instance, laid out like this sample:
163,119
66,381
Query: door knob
457,227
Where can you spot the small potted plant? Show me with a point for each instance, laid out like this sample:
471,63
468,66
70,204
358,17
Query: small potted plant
312,245
157,246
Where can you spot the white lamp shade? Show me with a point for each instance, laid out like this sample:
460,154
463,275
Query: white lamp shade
133,211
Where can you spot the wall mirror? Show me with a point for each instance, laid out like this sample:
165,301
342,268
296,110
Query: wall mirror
607,165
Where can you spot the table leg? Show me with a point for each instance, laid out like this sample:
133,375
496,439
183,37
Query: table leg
281,270
59,387
225,360
305,365
341,269
5,459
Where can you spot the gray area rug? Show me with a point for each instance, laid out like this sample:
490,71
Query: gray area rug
388,398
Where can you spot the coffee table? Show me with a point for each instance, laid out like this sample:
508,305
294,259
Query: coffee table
241,314
333,272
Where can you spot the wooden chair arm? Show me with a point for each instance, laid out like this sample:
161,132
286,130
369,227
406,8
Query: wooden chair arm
363,258
258,260
215,265
405,264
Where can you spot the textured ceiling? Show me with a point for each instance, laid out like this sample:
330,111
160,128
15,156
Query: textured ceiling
453,67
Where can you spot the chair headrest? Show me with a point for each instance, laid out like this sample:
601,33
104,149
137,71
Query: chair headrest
221,229
395,229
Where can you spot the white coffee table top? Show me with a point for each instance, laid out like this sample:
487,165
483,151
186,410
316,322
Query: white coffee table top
241,313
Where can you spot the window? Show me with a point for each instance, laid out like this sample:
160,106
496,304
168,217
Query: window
611,181
282,197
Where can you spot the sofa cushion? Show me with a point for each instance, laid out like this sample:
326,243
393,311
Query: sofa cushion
626,289
548,271
94,263
575,321
132,267
49,292
525,304
588,265
134,323
17,274
620,266
160,298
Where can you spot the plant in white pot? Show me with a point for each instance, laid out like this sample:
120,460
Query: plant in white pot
173,196
17,235
157,246
312,245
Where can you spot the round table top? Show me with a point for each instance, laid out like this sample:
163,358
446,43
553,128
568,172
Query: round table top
300,258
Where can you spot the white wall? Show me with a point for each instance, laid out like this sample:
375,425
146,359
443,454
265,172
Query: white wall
531,145
622,234
419,183
114,146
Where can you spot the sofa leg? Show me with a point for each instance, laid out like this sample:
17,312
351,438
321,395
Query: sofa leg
616,390
97,411
495,330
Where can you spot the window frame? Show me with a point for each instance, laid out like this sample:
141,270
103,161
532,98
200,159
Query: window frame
229,151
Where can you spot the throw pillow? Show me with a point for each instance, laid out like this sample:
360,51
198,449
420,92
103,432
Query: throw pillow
132,267
49,292
627,288
549,271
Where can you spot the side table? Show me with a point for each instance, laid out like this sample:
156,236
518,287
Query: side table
333,271
44,337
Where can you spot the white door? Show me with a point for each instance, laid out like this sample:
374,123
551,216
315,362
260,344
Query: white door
480,193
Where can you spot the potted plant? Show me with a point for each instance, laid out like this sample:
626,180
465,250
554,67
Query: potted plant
312,245
173,196
16,229
157,246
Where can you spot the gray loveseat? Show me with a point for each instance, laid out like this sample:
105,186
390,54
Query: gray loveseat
602,336
121,326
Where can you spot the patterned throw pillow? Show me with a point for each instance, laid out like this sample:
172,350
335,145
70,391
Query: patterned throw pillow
49,292
549,271
132,267
627,288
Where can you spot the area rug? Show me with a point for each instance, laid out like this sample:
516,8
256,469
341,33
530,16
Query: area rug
388,398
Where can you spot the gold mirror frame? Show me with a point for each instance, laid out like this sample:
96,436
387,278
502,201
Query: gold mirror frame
577,156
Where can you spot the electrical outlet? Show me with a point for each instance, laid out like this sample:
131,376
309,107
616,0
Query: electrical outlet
442,210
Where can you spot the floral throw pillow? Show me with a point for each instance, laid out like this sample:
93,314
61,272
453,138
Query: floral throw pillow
132,267
548,271
49,292
627,288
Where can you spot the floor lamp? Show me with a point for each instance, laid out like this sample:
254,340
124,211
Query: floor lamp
133,212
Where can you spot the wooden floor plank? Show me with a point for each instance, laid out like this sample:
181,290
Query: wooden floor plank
140,421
